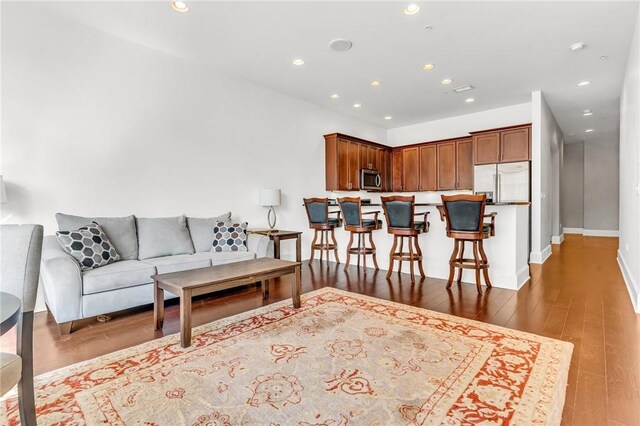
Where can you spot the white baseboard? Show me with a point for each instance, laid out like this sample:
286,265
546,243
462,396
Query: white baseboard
572,230
632,286
600,233
592,232
541,256
557,239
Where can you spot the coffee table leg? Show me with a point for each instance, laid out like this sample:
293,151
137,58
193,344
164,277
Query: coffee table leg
295,287
265,289
185,318
158,305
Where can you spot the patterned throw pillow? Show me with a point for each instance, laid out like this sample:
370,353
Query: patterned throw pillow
89,246
229,237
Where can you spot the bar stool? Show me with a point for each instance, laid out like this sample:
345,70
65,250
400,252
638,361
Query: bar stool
400,212
464,216
355,223
319,220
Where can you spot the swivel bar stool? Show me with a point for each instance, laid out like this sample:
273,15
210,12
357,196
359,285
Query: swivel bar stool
400,212
464,217
319,220
355,223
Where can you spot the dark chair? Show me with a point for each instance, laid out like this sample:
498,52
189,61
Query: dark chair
464,217
400,213
320,221
356,224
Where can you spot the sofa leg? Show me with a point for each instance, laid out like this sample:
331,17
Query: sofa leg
66,327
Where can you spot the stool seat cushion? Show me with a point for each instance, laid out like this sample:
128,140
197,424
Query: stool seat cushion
486,227
366,223
418,224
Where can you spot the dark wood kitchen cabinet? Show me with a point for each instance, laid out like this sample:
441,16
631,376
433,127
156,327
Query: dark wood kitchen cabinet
428,168
464,164
396,170
504,145
514,145
446,165
486,148
346,155
410,169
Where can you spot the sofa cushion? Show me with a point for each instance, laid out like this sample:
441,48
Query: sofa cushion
89,246
126,273
163,236
181,262
224,257
121,231
229,237
201,230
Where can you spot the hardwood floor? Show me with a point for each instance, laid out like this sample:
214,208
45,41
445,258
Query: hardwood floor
578,295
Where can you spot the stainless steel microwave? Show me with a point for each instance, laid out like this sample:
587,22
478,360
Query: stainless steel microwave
370,180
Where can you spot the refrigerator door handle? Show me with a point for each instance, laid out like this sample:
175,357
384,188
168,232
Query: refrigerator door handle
497,197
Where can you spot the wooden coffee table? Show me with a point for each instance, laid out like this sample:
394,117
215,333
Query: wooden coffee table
195,282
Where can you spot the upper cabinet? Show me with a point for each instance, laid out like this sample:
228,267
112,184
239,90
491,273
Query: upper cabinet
345,156
446,165
396,170
428,168
505,145
410,169
464,164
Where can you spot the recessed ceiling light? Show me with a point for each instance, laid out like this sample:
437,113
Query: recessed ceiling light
375,83
587,112
335,96
584,83
572,134
388,117
180,6
428,27
428,67
298,62
446,81
588,131
603,57
357,105
469,100
411,9
575,47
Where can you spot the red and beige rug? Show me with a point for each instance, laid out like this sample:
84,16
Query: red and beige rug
341,359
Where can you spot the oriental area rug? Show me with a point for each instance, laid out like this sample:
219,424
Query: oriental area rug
341,359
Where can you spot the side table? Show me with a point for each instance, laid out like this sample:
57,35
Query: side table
277,236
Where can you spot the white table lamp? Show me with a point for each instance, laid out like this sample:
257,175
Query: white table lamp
270,198
3,192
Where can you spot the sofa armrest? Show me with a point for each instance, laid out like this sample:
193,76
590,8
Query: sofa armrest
261,245
62,279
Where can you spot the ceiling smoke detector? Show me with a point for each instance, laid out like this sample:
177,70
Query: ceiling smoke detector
340,45
463,88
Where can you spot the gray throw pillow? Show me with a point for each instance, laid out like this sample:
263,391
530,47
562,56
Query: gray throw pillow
229,237
89,246
201,230
121,231
163,236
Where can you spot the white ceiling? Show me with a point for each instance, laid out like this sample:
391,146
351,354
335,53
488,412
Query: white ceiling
504,49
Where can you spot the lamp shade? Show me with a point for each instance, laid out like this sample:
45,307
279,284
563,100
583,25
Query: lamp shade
3,192
269,197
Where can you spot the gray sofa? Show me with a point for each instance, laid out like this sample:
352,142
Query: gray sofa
146,246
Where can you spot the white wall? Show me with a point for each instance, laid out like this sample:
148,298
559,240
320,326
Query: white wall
96,125
546,140
629,249
572,188
460,125
602,189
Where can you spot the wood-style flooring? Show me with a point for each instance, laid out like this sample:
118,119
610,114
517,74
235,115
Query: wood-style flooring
578,295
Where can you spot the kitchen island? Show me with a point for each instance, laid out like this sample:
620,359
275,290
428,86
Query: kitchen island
507,251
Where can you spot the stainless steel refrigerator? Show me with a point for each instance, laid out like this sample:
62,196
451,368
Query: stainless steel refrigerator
503,183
